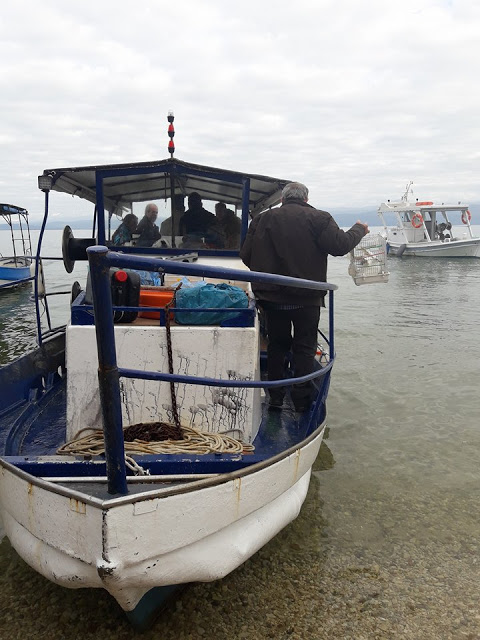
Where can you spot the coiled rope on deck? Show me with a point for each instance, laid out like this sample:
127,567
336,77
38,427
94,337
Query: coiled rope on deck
193,442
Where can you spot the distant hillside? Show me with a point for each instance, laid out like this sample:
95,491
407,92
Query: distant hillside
35,225
345,217
77,223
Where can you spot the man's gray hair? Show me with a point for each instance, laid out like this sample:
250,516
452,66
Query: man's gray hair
295,190
150,206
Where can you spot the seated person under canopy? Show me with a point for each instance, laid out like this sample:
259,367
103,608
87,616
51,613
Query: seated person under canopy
124,232
230,225
148,231
198,226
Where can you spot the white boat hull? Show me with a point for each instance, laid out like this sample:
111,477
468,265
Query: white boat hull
456,249
131,544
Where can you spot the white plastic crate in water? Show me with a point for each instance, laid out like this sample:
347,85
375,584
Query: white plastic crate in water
368,261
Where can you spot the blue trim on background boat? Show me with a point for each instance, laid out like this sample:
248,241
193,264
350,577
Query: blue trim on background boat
12,208
14,273
14,283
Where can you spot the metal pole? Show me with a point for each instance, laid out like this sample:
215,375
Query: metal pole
245,207
100,208
37,269
10,222
108,379
173,205
331,328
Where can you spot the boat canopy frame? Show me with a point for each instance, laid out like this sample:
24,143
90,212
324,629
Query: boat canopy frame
115,188
23,258
9,212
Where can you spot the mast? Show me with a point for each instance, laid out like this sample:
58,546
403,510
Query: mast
408,189
171,151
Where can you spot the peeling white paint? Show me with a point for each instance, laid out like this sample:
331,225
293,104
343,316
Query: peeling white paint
197,351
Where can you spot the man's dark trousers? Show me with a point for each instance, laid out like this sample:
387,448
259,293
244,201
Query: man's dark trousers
302,344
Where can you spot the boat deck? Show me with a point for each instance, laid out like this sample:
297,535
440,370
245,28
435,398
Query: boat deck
35,435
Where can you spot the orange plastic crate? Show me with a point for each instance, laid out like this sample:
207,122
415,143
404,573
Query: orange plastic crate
155,298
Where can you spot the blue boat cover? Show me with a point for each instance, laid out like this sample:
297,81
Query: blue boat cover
209,296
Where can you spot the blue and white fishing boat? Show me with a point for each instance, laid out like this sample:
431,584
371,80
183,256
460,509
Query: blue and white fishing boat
86,497
15,268
425,229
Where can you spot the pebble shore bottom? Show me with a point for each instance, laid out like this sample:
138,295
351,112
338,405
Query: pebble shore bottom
354,568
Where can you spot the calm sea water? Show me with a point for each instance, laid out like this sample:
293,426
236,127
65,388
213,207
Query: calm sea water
387,543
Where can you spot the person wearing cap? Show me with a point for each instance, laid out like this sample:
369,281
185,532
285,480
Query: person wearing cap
294,240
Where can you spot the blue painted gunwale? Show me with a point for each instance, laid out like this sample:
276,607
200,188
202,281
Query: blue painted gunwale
37,429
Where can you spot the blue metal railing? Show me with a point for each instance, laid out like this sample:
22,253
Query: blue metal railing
100,261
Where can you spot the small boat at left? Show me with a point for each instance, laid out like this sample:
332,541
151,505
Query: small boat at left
15,268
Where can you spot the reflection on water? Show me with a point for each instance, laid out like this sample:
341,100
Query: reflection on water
325,459
17,311
17,322
386,545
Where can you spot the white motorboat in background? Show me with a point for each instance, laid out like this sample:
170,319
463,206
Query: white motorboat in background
426,229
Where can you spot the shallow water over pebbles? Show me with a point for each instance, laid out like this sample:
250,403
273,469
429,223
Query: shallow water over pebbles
387,542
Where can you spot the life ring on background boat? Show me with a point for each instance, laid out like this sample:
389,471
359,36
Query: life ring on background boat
466,217
417,220
423,204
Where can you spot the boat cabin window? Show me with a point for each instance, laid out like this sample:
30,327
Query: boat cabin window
197,224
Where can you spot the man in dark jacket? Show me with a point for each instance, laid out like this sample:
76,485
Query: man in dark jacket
294,240
197,225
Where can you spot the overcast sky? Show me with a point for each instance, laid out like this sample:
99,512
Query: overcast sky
352,98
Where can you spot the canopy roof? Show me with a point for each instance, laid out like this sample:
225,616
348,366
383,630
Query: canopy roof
124,184
9,209
403,206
